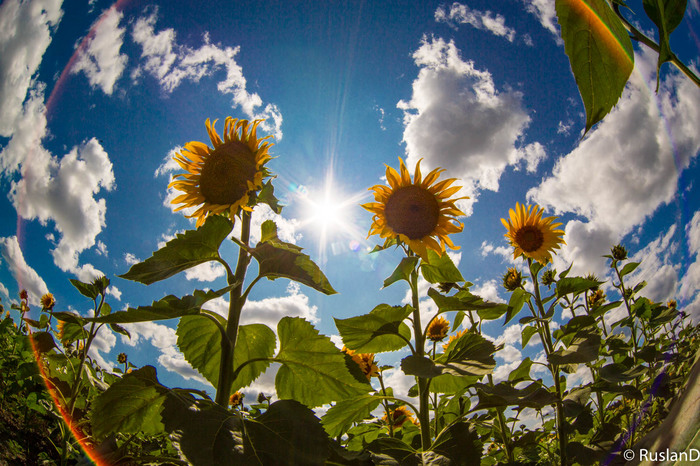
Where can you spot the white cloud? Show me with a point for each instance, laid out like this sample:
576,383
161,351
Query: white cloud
486,21
690,283
206,272
546,14
656,267
101,248
63,191
102,343
27,130
131,259
4,291
440,125
488,291
533,154
114,291
25,276
631,161
172,63
25,33
98,56
509,354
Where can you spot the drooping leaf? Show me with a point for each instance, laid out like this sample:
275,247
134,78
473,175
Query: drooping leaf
522,372
600,52
130,405
617,373
666,15
71,317
402,271
169,307
287,432
527,333
255,341
583,348
42,341
199,340
379,331
313,369
470,354
278,259
629,268
440,269
515,304
187,250
89,290
466,301
575,285
503,394
267,196
340,417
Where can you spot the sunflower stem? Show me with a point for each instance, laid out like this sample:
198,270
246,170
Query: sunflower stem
236,301
423,392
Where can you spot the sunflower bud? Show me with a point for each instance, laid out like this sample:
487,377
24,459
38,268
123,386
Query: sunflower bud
262,398
548,277
596,299
672,304
23,295
619,252
512,279
121,358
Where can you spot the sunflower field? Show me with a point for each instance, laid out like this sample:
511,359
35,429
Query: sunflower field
335,406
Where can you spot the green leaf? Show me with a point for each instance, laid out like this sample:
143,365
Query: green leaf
199,340
470,354
42,341
503,394
515,304
255,341
313,370
465,301
617,373
379,331
584,347
600,52
70,317
267,196
628,268
402,271
277,259
341,416
575,285
187,250
202,431
288,432
169,307
522,372
440,269
388,451
460,443
88,290
131,404
527,333
666,15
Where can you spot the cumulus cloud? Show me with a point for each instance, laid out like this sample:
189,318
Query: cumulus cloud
25,276
171,64
627,166
485,21
27,130
63,190
26,33
206,272
690,283
545,12
440,125
98,56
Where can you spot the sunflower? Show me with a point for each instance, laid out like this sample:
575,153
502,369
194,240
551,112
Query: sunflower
531,235
220,180
399,416
365,361
418,213
236,399
437,330
48,301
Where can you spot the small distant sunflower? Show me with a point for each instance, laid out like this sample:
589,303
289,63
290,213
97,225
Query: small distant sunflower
220,180
236,399
399,416
453,338
419,213
532,235
437,330
121,358
365,361
48,301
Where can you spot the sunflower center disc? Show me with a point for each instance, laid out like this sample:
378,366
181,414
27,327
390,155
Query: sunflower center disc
529,238
412,211
226,172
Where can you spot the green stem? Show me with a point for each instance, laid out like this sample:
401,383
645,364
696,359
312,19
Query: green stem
423,392
504,430
236,301
386,406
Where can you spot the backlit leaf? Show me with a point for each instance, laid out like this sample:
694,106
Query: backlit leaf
379,331
440,269
402,271
340,417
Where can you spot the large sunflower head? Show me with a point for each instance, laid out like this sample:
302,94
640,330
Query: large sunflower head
418,213
221,179
531,235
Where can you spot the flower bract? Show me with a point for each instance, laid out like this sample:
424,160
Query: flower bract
418,212
220,180
532,235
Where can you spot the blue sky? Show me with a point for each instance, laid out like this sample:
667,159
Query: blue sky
95,97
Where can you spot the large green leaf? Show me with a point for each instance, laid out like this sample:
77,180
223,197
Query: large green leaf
287,433
187,250
199,340
666,15
341,416
503,394
459,443
440,269
466,301
575,285
277,259
470,354
390,451
313,370
169,307
255,341
584,347
132,404
600,52
379,331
